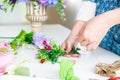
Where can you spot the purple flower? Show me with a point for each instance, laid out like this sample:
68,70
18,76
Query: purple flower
43,2
37,43
64,6
48,47
38,39
0,7
52,2
22,0
48,38
13,1
38,34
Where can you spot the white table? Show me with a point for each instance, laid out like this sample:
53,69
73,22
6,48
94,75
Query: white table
84,67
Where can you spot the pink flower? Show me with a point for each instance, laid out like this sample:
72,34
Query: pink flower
44,42
48,47
6,44
2,70
5,61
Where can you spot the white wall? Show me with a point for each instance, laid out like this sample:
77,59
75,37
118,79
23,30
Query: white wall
18,15
15,17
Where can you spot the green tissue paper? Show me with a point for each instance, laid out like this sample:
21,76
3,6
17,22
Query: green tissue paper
23,71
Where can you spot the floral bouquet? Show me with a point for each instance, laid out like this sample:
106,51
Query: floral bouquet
48,49
59,4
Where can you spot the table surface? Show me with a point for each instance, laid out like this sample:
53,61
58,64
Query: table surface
84,67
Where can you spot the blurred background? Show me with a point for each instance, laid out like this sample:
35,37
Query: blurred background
18,15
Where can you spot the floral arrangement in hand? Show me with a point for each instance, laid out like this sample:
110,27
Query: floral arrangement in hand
59,4
48,49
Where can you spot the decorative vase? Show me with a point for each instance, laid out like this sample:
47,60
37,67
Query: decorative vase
36,14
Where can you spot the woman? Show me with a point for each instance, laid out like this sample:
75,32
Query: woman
102,30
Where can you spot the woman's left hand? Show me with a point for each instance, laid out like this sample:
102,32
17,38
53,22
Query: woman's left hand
95,30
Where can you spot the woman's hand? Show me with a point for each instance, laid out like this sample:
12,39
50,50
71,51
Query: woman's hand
95,30
71,39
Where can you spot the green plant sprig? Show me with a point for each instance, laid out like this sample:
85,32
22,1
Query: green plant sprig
74,50
7,4
61,10
53,54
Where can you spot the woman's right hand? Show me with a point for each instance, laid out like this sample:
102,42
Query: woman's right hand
71,39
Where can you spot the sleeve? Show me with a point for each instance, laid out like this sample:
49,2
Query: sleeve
86,11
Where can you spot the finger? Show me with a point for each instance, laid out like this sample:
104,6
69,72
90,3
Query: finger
69,46
92,46
75,55
76,42
80,39
64,45
67,55
84,43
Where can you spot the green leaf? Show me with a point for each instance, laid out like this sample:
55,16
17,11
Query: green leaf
66,70
74,78
19,40
29,38
23,71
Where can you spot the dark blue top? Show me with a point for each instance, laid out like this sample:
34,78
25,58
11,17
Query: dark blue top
111,41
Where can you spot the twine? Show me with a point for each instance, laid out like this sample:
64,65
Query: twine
108,70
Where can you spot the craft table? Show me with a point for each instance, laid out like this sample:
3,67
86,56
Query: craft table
84,67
